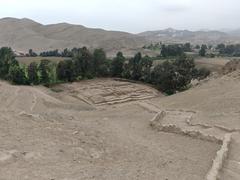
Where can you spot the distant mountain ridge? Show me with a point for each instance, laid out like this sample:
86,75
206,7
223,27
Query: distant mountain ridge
235,32
196,37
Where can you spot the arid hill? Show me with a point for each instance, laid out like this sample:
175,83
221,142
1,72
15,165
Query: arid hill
23,34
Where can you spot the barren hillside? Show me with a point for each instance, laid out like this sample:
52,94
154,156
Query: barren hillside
23,34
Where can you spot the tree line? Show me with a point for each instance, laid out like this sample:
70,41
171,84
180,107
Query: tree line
229,50
170,50
169,76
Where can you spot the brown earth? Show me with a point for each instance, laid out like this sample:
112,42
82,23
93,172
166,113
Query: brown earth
231,66
101,129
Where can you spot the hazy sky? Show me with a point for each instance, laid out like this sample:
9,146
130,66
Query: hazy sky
129,15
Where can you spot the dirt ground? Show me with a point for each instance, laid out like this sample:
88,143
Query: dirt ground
213,64
100,129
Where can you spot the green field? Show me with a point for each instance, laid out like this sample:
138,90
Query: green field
28,60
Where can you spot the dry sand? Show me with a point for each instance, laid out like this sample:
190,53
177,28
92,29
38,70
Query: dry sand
101,129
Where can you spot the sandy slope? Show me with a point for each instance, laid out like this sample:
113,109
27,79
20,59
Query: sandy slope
47,135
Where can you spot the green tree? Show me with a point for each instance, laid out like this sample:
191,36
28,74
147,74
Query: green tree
66,53
31,53
99,59
7,59
32,72
138,68
146,65
197,47
203,49
17,75
172,50
221,48
164,52
164,77
126,71
66,70
184,69
83,61
117,65
44,70
173,76
135,65
104,69
187,47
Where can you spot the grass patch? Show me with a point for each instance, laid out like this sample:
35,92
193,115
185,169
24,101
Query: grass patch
28,60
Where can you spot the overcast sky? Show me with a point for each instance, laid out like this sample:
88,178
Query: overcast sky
129,15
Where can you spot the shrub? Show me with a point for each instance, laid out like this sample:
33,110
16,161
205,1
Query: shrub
173,76
164,77
7,59
201,73
118,65
66,70
17,75
44,70
32,70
